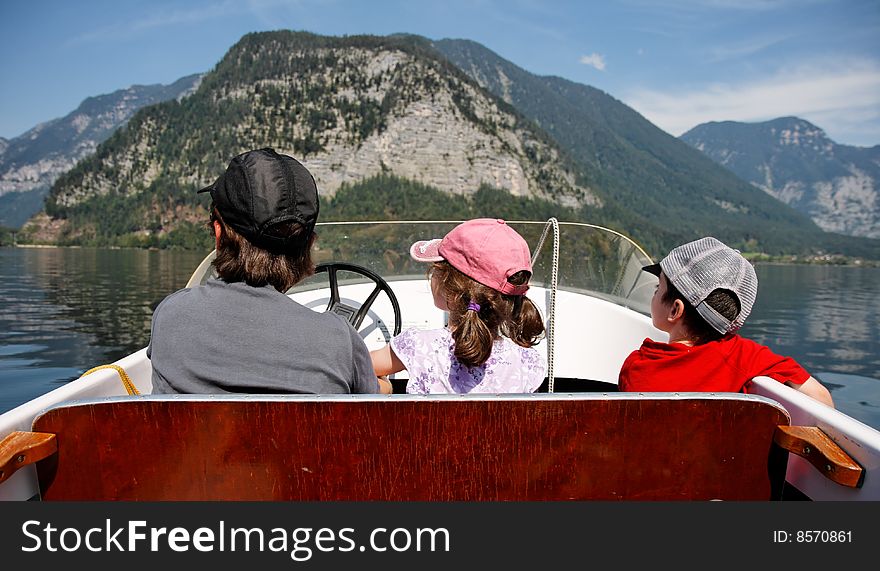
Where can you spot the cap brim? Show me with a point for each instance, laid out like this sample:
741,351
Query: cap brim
652,269
426,250
206,189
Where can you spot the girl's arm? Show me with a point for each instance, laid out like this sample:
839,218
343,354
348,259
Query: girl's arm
385,361
812,388
385,386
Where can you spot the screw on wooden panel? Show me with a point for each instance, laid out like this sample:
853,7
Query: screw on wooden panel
20,458
807,450
829,467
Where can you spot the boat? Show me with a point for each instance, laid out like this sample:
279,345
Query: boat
105,437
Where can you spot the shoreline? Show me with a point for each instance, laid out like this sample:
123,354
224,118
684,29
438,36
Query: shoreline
754,258
78,247
794,260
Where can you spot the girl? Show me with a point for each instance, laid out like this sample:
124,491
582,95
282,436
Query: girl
479,274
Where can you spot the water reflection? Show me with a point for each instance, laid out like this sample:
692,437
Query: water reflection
828,319
65,310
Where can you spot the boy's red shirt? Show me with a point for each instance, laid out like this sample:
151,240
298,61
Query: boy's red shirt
725,365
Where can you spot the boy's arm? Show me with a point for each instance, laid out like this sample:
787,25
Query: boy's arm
814,389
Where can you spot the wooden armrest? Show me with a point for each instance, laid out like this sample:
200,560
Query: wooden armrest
817,448
19,449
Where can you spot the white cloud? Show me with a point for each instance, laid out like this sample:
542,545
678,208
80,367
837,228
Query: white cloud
705,5
190,15
595,60
838,97
158,19
746,47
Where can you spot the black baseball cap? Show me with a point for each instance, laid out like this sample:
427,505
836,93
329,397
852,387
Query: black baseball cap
261,189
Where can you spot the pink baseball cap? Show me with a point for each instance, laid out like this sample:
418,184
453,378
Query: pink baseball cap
484,249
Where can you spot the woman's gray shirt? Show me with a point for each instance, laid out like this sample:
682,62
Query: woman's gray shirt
233,338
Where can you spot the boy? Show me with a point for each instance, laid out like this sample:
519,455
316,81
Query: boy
706,292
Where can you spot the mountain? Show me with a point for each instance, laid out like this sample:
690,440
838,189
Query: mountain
838,186
351,108
659,189
373,116
30,163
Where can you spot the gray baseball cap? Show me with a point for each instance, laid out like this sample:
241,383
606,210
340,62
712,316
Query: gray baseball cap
698,268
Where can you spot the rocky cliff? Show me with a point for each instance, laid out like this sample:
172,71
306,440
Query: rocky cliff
32,162
367,111
349,108
838,186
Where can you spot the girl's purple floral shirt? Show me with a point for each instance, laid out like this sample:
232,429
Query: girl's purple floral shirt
429,358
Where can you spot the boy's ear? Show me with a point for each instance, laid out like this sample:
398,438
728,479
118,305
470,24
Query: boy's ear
676,312
217,229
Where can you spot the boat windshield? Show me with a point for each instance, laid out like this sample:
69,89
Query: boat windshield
591,259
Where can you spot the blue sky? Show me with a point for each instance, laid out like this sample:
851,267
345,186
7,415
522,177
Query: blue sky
677,62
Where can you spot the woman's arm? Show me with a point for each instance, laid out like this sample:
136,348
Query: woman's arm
814,389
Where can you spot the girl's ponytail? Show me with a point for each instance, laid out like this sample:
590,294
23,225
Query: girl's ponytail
478,314
473,339
524,325
527,325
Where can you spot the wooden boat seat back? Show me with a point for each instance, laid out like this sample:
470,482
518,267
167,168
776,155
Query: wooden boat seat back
505,447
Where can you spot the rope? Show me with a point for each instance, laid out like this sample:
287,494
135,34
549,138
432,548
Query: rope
126,380
554,279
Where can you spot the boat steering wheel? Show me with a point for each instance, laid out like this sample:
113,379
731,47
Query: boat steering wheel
356,315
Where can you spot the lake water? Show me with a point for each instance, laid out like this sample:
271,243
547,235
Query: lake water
828,319
65,310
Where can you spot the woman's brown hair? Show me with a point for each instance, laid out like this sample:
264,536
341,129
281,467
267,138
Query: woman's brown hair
474,332
240,261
